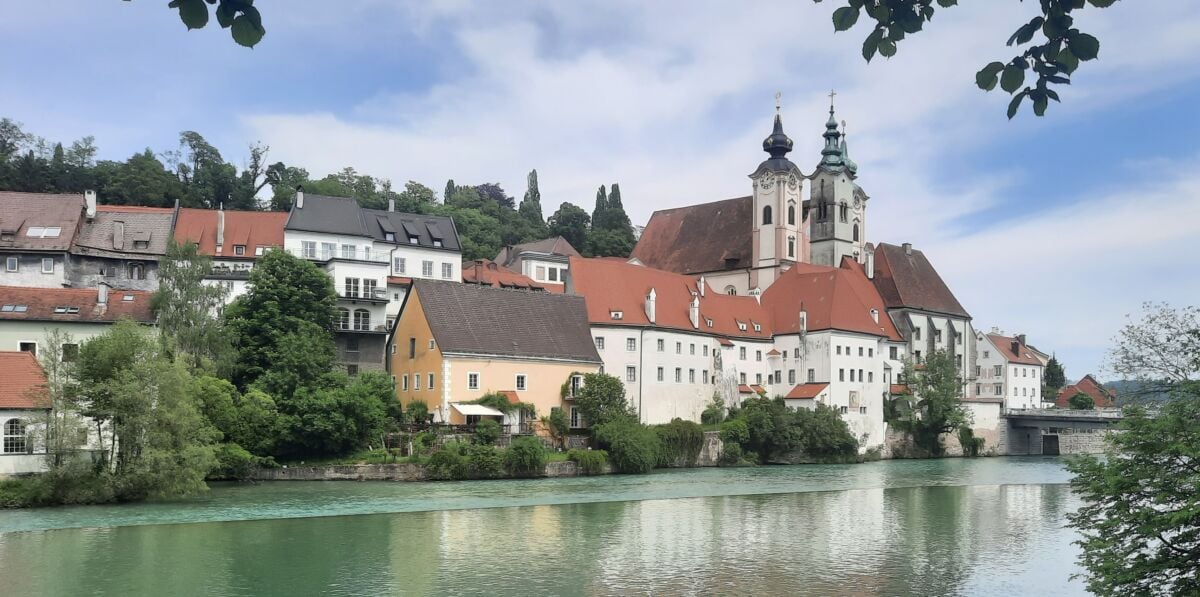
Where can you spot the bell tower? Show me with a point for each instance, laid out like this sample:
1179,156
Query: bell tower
837,205
779,234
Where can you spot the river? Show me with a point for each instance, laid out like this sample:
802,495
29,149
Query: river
988,526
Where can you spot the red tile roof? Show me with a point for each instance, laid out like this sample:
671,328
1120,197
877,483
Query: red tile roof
399,281
744,389
250,228
806,391
614,285
1101,396
489,273
1004,347
773,353
907,279
724,342
21,211
41,303
23,384
758,389
833,298
698,238
898,388
511,395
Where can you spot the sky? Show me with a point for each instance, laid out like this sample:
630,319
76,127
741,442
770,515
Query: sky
1056,227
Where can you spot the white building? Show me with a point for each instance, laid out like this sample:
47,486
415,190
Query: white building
36,232
233,239
545,261
24,405
1006,368
372,256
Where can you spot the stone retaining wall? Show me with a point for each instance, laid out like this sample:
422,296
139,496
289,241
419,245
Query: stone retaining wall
382,472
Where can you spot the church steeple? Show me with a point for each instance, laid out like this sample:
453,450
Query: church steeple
777,144
851,167
831,155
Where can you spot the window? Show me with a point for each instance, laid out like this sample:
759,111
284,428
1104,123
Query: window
1023,391
328,250
48,266
704,375
351,369
862,410
998,389
1014,391
427,269
870,352
692,349
12,264
575,424
796,353
741,378
916,333
757,327
758,379
351,288
870,377
539,273
389,237
430,385
343,322
778,377
843,410
576,385
742,353
679,348
348,251
978,389
937,335
855,233
758,356
398,264
352,344
791,376
600,343
472,381
860,351
660,344
30,347
678,375
660,374
631,344
369,287
630,373
237,249
416,381
691,376
986,354
404,382
447,271
766,215
414,240
362,320
708,322
998,370
812,376
731,291
704,350
1024,371
893,353
70,353
851,375
308,249
14,436
553,277
839,349
521,382
791,215
259,250
844,211
917,355
791,246
616,315
412,348
431,344
841,375
136,271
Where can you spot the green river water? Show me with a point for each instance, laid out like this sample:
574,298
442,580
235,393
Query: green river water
989,526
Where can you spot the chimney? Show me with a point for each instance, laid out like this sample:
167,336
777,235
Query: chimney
907,248
995,330
102,293
875,315
1021,339
701,285
650,300
300,197
757,294
870,264
89,200
119,236
694,311
803,320
221,226
391,204
1016,347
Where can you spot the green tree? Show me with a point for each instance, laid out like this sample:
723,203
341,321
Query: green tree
602,399
335,418
478,233
1160,350
1140,512
570,222
140,180
284,180
933,406
1054,378
415,198
283,324
64,423
1081,401
531,205
612,233
601,205
633,448
186,307
557,424
1055,55
240,17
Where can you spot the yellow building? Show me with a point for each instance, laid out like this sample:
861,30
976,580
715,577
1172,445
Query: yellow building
453,343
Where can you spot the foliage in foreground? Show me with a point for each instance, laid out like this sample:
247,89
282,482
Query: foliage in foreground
1141,515
933,407
765,430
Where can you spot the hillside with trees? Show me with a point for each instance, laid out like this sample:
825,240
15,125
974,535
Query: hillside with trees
196,174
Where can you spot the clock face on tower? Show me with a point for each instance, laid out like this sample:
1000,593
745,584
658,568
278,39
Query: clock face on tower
857,203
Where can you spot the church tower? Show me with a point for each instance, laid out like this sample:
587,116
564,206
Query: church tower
779,235
837,206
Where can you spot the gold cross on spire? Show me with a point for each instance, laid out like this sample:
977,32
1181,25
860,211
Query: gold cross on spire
832,93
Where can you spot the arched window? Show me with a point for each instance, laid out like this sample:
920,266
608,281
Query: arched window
14,437
856,233
766,215
792,247
362,320
845,211
730,290
791,215
343,319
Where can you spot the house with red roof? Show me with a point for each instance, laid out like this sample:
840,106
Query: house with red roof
233,239
489,273
28,315
120,245
36,232
1101,396
24,404
1007,369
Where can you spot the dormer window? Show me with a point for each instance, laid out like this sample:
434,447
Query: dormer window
259,250
218,249
414,240
145,244
389,237
237,249
437,242
741,326
616,315
757,328
709,322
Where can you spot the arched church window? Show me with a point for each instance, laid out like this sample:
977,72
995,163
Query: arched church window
845,211
792,245
856,233
766,215
730,290
791,215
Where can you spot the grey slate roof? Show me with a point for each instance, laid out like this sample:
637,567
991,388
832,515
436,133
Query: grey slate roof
20,211
555,245
341,215
475,319
99,236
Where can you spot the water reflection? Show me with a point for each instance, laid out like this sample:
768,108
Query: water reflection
974,540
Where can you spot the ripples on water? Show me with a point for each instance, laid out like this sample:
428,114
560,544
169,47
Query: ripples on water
962,527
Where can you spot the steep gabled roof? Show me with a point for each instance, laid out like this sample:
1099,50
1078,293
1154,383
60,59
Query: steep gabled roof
1004,347
806,391
23,384
614,285
119,232
21,211
426,228
833,299
475,319
1101,396
555,245
73,305
908,279
488,273
698,238
250,228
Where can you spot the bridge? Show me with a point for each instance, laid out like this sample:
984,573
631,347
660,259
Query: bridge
1053,431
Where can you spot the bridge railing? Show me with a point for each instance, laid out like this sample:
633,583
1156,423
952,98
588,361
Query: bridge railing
1065,413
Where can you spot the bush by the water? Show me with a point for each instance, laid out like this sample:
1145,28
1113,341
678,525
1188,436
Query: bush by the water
632,447
447,463
484,462
680,443
487,432
591,462
525,457
766,429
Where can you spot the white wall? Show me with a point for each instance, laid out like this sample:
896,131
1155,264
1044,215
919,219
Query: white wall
13,333
533,267
29,271
16,464
1020,385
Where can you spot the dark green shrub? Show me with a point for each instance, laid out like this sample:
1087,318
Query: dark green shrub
714,413
233,462
447,463
417,411
591,462
735,431
680,443
487,432
484,462
422,441
525,457
731,454
632,447
971,445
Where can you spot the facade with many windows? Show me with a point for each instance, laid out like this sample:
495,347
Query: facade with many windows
1006,369
235,240
23,408
36,232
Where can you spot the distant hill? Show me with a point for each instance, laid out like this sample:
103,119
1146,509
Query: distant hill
1130,391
